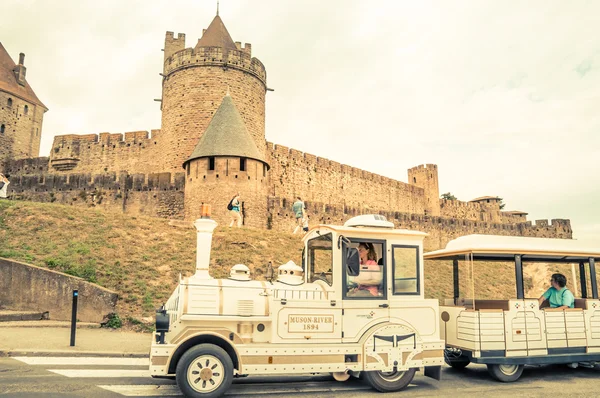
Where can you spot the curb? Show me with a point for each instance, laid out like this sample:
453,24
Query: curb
50,353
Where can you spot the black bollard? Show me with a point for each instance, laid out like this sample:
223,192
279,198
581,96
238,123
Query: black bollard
74,317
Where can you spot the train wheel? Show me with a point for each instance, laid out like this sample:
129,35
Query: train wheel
505,373
205,370
389,381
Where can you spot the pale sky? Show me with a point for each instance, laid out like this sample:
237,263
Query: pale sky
503,96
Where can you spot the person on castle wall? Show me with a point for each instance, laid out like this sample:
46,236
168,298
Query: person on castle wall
3,186
558,295
299,212
370,276
305,223
234,211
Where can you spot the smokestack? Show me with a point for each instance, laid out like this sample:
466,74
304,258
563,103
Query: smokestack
21,59
205,227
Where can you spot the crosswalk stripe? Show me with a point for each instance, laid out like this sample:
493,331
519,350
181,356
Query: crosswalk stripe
144,390
84,361
239,389
107,373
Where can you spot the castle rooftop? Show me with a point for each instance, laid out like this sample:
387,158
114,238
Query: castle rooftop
9,82
226,135
216,35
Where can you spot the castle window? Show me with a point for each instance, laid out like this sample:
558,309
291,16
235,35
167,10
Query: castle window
242,164
25,110
211,163
2,128
9,102
187,167
264,170
415,180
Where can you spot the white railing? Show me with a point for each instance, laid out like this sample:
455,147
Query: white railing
172,305
290,294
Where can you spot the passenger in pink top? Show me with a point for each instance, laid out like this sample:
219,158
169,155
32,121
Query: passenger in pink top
370,277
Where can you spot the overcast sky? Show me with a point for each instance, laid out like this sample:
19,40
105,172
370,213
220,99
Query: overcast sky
504,96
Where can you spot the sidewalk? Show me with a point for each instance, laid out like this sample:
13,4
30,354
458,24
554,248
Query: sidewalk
46,340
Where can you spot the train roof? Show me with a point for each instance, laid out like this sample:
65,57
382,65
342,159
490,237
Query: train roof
493,247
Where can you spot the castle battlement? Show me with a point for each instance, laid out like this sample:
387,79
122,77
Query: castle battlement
215,56
138,137
424,167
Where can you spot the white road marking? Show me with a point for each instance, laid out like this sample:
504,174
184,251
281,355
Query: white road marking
236,389
106,373
144,390
84,361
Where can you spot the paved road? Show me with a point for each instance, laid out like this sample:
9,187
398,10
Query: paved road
118,377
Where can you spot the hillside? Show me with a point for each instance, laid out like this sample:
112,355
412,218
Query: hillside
141,257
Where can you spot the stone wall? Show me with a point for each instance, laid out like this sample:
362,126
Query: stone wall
440,229
133,152
157,194
217,187
26,287
20,127
295,173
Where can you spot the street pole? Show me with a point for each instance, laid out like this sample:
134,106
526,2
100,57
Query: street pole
74,317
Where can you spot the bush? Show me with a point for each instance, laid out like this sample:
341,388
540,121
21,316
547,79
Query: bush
113,321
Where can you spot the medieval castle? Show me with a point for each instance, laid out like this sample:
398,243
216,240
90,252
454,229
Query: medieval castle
211,145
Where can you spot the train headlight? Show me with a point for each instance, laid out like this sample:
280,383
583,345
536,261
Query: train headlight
162,324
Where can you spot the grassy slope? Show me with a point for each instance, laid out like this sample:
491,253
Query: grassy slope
141,257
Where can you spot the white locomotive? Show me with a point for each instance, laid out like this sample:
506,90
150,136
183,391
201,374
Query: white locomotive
332,314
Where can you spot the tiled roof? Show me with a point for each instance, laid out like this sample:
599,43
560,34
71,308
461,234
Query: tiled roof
216,35
226,135
8,80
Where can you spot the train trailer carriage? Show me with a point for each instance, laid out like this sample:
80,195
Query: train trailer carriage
508,334
330,315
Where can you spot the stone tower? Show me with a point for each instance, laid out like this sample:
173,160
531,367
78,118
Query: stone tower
426,177
226,161
21,112
195,80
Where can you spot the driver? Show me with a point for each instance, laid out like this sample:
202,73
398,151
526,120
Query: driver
370,276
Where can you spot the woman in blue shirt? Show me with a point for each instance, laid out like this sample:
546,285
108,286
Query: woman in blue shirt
558,295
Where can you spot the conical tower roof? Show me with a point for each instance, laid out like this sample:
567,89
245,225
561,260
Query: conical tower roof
226,135
9,83
216,35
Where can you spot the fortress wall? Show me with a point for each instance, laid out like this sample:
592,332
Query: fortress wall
135,152
294,173
152,194
440,229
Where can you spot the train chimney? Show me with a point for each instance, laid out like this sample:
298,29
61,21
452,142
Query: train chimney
205,227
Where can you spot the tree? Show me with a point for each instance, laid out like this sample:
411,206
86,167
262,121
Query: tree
501,203
448,196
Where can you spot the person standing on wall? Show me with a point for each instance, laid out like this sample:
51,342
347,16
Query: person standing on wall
3,186
299,212
234,211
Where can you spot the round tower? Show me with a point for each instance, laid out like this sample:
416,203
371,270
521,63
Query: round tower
195,80
21,112
426,177
225,162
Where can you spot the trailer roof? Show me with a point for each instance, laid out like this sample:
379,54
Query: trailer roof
494,247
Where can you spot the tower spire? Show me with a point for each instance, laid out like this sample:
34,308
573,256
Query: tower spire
217,7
